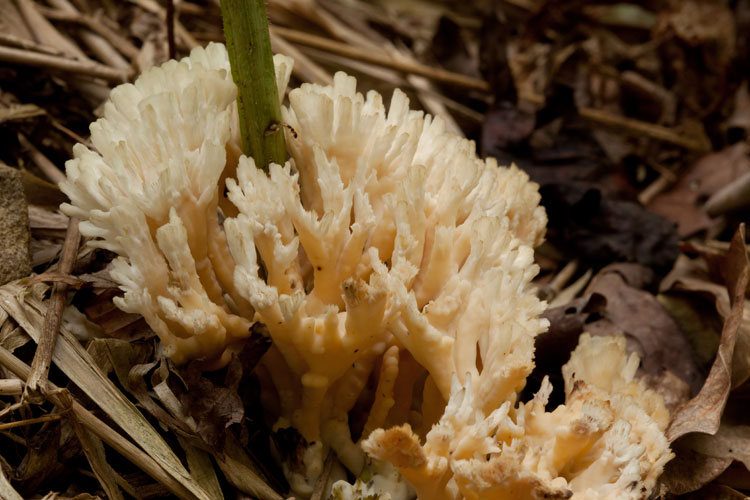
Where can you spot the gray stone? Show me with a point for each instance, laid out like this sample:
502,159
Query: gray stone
15,235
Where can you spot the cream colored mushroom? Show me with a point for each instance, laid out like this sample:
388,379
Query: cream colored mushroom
606,442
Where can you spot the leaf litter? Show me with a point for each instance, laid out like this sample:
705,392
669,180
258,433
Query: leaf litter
632,117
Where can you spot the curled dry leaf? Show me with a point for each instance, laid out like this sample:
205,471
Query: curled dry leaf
214,405
615,303
715,491
588,223
649,329
690,470
710,277
703,412
730,441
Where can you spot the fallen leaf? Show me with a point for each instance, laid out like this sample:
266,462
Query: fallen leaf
690,470
599,229
730,441
714,491
710,277
649,330
213,402
505,127
242,473
703,412
40,463
6,489
683,203
698,320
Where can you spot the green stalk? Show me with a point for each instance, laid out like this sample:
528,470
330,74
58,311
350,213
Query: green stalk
249,47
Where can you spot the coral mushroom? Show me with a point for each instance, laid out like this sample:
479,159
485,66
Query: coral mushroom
390,265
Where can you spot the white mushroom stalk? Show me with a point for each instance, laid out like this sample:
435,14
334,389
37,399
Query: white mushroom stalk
390,265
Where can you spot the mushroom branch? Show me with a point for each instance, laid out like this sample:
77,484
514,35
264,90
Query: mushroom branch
392,269
606,442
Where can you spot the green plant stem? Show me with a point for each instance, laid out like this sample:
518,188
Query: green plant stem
249,47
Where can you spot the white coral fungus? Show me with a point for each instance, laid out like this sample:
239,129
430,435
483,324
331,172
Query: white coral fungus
391,267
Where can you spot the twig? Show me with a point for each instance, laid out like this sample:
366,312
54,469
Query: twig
169,20
251,60
47,34
102,430
13,407
96,25
632,125
23,43
43,356
435,74
643,128
45,165
733,196
65,130
562,278
304,68
36,59
653,189
11,387
101,47
22,423
182,33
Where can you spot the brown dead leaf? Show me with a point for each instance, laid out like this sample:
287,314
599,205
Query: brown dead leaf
730,441
690,470
714,491
683,203
215,405
41,462
703,412
650,331
710,277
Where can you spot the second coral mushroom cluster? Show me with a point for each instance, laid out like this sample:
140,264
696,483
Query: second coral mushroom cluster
392,269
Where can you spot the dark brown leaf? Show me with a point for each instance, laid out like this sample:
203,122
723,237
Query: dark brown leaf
650,331
41,462
599,229
703,412
690,470
714,491
730,441
214,404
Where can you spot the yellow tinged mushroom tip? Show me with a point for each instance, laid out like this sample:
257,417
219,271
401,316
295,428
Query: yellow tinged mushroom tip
384,251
